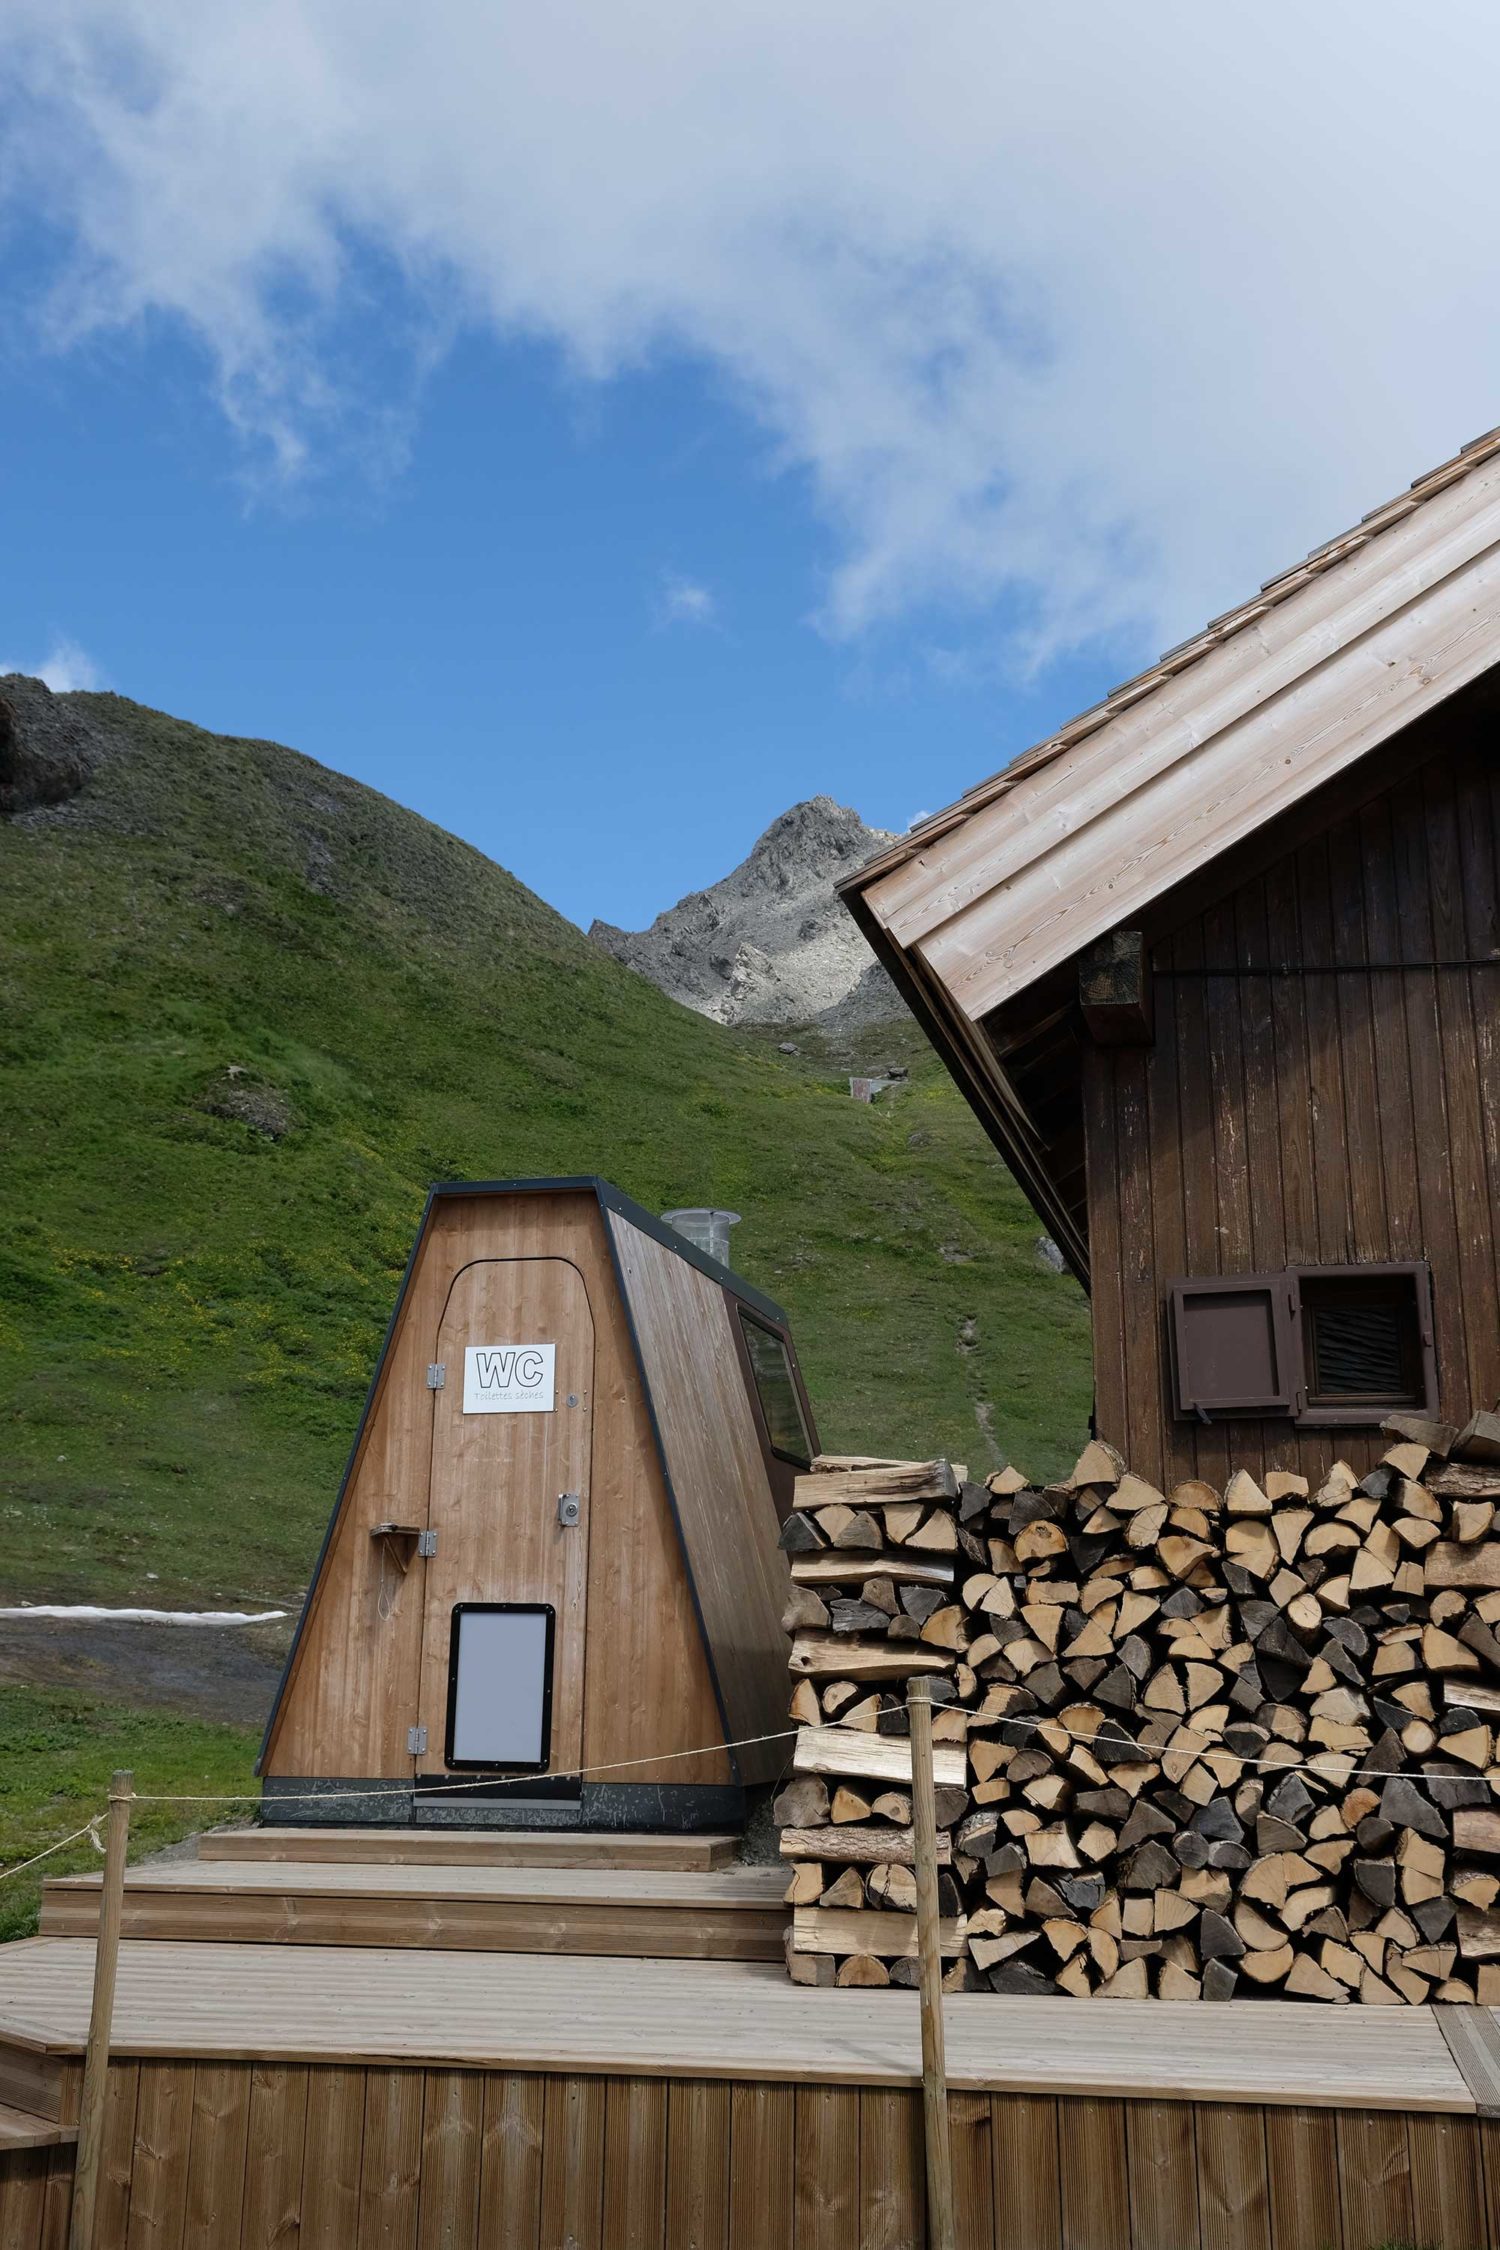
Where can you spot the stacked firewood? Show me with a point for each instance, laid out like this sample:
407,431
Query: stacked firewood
876,1563
1217,1743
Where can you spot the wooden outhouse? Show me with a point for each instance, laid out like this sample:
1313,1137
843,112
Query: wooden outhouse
550,1593
1218,967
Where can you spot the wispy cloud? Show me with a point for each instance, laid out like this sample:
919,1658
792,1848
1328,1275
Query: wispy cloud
64,667
685,601
1089,312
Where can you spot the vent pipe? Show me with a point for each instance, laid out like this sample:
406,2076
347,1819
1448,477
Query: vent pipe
706,1228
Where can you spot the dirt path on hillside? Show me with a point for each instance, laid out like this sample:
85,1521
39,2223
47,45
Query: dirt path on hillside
206,1672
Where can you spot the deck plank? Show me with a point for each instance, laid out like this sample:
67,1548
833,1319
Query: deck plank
490,1847
715,2019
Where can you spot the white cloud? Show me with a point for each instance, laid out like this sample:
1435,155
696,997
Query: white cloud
65,666
684,601
1100,311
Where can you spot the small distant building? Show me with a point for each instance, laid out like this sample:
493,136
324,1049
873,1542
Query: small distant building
1218,967
550,1593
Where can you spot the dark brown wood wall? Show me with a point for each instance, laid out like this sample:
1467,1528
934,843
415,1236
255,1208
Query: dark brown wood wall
1310,1117
260,2156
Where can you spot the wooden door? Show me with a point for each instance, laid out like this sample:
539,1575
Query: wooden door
497,1479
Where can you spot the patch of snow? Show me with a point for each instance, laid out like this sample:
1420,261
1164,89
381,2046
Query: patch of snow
90,1613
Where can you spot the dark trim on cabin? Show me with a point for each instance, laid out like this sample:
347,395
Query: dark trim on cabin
609,1198
667,1808
979,1089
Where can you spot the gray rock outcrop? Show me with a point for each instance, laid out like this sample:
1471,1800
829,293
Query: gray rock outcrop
772,942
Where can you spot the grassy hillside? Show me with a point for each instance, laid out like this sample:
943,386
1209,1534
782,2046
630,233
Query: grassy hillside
248,1010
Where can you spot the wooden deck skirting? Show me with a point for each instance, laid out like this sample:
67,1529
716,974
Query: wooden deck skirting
332,2097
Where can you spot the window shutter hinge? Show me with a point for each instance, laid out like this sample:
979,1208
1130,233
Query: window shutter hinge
437,1375
416,1741
426,1542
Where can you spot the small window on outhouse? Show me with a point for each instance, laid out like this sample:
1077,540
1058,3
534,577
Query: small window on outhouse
776,1388
1321,1345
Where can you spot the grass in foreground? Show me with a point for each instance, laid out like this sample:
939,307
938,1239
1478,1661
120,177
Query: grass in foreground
60,1750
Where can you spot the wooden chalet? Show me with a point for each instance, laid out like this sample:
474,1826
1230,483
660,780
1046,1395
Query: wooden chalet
1218,968
551,1584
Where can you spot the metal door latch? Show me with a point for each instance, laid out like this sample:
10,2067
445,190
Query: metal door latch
569,1507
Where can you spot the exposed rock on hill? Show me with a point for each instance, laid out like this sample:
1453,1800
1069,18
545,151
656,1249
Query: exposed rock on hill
771,943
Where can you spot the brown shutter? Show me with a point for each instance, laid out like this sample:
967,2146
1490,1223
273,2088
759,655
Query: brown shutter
1233,1345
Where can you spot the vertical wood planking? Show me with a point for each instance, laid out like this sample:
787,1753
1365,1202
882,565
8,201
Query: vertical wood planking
1398,1129
392,2159
220,2122
1112,1402
698,2159
1369,1226
510,2173
1375,2176
1465,1129
163,2131
1027,2178
57,2206
635,2163
275,2140
1302,2160
334,2157
572,2164
1195,1133
23,2197
826,2186
1221,995
1092,2160
891,2170
452,2132
972,2136
117,2160
1234,2205
762,2160
1139,1306
1162,2157
1447,2181
1174,1441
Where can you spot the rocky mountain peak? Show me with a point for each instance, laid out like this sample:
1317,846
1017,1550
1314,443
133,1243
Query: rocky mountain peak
771,942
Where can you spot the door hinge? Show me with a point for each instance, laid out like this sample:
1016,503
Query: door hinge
416,1740
426,1542
569,1507
437,1375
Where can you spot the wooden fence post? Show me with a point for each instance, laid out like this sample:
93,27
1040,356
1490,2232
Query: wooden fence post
940,2231
96,2060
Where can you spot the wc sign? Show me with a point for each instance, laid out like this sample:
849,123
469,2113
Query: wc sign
509,1378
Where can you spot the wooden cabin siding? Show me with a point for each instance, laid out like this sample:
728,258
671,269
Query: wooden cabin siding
243,2155
720,1492
353,1689
1314,1117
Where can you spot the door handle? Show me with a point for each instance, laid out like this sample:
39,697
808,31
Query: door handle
569,1508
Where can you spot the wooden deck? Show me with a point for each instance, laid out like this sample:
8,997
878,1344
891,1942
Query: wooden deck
482,2101
735,1915
717,2019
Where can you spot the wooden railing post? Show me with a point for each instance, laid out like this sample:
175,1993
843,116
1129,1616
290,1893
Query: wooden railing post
101,2014
940,2230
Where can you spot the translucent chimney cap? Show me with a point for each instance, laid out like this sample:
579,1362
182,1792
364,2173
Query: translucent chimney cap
705,1228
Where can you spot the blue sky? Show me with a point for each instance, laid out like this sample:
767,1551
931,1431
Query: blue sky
600,429
573,623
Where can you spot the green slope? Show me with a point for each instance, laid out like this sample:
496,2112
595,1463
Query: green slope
190,1305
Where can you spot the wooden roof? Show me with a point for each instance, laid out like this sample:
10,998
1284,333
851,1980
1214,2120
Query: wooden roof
985,907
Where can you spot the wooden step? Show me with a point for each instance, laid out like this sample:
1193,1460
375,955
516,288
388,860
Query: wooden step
22,2128
30,2080
484,1847
733,1915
